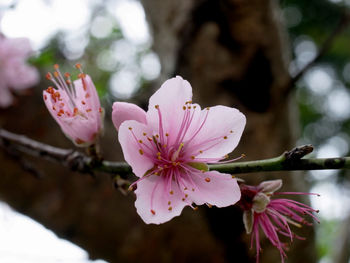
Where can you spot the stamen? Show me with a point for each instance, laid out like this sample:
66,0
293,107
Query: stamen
176,154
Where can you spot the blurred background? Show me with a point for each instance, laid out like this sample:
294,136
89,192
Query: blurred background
249,55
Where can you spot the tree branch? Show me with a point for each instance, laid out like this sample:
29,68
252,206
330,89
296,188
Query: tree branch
77,161
70,158
288,161
341,26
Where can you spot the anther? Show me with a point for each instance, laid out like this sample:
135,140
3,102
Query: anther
225,137
88,110
156,106
144,134
48,76
87,95
185,188
153,212
78,66
243,155
50,90
193,157
192,189
170,208
184,107
186,195
171,192
140,141
200,151
83,102
81,76
141,151
231,131
183,199
169,203
56,66
207,179
79,141
166,134
130,128
233,177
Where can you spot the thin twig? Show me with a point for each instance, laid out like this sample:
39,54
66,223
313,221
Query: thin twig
341,26
72,159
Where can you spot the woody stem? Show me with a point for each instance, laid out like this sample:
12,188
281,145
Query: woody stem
288,161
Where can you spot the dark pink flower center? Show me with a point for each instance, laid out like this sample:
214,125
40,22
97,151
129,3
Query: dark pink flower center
178,158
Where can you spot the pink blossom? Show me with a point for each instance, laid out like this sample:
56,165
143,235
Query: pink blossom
75,106
15,73
272,216
168,148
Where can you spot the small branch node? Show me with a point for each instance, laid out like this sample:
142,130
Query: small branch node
298,152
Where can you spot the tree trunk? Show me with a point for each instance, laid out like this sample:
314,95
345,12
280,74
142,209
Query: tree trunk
233,53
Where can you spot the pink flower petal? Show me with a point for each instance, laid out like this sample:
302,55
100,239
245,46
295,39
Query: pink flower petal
213,188
29,76
154,202
171,98
92,98
134,152
123,111
6,97
19,47
221,132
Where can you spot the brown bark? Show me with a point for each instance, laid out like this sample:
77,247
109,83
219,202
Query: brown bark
232,53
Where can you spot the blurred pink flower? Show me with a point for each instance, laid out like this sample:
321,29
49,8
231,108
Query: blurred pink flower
75,106
273,217
168,148
15,73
